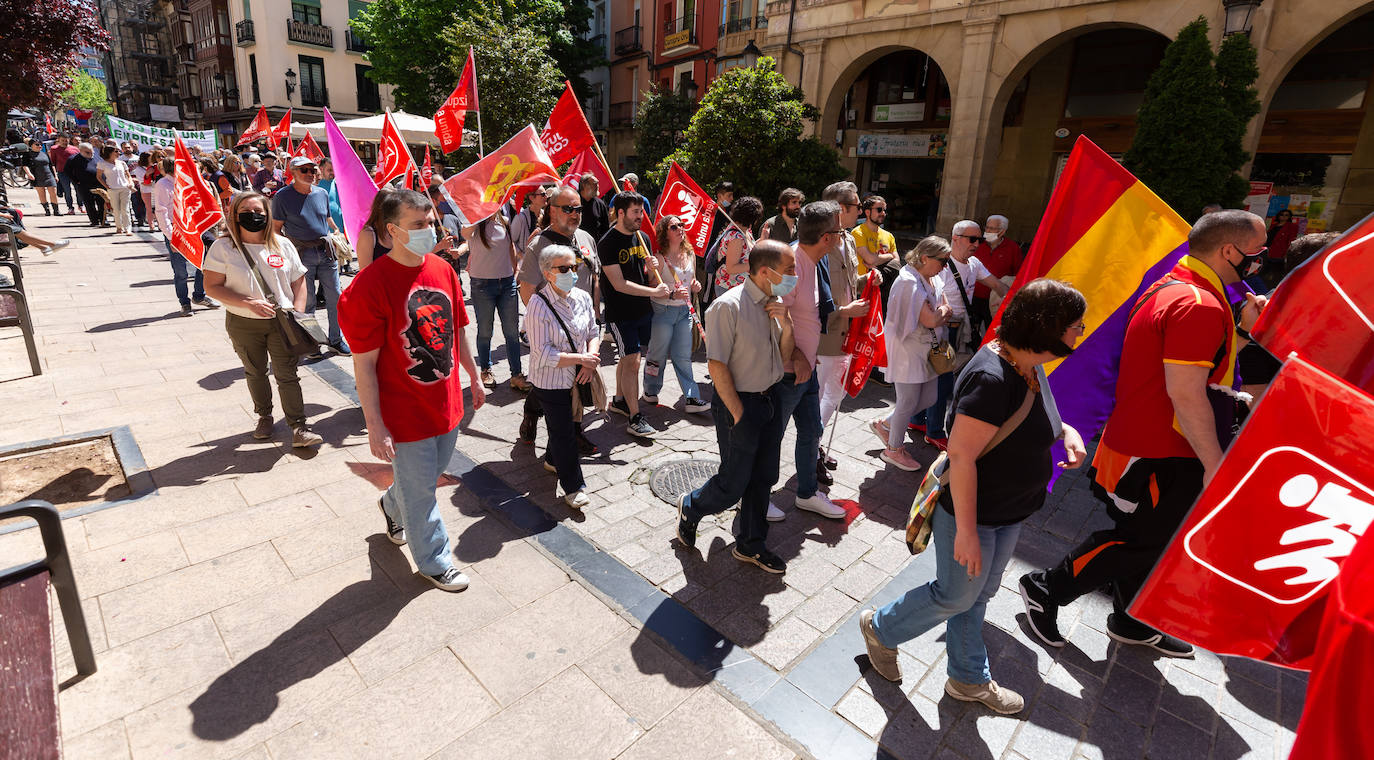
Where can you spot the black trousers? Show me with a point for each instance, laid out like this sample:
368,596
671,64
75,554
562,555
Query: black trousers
95,205
562,448
1122,556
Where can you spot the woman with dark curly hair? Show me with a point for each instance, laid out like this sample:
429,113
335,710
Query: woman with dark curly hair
736,243
999,469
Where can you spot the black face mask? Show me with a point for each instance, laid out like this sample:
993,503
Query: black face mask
1249,263
253,221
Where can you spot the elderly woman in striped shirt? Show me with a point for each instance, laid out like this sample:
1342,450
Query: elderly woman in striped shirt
561,324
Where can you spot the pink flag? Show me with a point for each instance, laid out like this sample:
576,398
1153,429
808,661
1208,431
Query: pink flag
356,189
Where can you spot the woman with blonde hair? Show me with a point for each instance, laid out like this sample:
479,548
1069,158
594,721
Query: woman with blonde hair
671,334
251,318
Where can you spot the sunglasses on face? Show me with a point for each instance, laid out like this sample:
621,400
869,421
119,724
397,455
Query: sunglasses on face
881,210
562,268
308,171
970,238
675,227
942,259
569,209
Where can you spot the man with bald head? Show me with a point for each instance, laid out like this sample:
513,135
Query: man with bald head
1164,438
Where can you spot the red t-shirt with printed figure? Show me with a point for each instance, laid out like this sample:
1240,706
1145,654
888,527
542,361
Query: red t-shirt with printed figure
1003,260
412,316
1185,323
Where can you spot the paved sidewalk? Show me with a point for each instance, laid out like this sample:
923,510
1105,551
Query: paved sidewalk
251,603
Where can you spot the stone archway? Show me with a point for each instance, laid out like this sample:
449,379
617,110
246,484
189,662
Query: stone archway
863,51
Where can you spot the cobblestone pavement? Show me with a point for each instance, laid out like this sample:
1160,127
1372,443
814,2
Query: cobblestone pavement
252,606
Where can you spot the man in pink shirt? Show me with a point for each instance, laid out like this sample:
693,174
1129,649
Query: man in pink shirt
818,226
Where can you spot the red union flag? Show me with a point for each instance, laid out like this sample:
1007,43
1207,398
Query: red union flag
684,199
426,171
1324,309
567,133
587,162
195,207
309,148
865,342
280,133
479,190
393,158
260,129
1249,571
448,122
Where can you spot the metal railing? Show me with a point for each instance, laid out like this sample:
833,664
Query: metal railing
243,33
622,114
353,42
309,34
627,41
316,97
683,28
743,24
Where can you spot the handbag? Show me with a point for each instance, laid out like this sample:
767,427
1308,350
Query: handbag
941,354
937,479
300,339
583,393
961,356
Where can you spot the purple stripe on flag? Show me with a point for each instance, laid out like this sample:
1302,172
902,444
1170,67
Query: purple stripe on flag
1084,384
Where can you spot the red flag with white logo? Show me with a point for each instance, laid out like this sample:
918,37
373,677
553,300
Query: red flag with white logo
259,129
281,133
448,121
195,207
865,342
393,158
47,123
1324,309
309,148
587,162
1249,571
479,190
683,197
427,171
567,132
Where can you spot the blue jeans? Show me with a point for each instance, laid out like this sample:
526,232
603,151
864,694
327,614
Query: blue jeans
803,404
181,275
671,339
65,191
325,267
934,417
749,452
492,296
952,597
411,502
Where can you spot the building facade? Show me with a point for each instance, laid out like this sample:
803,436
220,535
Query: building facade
300,55
685,46
955,109
631,60
597,104
148,61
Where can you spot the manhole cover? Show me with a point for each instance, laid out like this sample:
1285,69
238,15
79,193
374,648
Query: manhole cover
673,479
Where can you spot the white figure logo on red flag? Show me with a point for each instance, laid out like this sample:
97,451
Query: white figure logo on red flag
393,158
682,197
195,207
259,129
866,342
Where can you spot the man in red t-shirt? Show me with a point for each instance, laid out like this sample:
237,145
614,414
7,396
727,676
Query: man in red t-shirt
58,155
404,318
1164,439
1002,256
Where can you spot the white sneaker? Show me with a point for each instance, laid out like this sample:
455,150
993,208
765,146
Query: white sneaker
821,505
775,514
578,499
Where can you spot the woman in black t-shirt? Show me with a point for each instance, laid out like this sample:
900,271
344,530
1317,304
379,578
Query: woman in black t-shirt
990,492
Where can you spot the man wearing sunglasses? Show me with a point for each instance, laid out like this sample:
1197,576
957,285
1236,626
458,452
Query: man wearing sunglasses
300,212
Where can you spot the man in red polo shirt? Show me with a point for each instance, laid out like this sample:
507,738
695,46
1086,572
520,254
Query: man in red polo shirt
1002,256
1164,439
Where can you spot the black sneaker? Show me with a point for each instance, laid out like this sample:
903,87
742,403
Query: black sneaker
686,529
619,406
1041,612
639,428
451,579
395,533
585,447
652,398
1128,630
763,558
186,311
528,426
696,406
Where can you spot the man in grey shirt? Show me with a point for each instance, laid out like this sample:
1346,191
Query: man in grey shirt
300,212
748,333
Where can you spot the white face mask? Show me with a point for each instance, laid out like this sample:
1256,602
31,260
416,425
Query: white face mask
992,237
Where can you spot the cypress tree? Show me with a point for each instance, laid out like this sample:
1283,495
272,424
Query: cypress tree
1237,71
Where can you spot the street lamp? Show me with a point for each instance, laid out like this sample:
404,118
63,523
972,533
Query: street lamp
290,83
1238,16
751,54
688,87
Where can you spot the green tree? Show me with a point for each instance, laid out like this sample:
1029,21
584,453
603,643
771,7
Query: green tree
572,51
87,93
521,90
749,129
1187,145
663,118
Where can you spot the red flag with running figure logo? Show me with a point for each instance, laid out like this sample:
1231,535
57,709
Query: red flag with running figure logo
1324,309
1249,571
195,207
479,190
567,132
47,123
448,122
259,129
281,133
426,172
683,198
310,149
865,343
393,158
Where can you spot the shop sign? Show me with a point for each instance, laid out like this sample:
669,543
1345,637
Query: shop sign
677,39
900,112
925,145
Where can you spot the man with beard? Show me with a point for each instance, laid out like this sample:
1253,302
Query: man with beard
626,287
782,227
404,314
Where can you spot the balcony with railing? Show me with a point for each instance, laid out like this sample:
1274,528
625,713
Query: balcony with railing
315,97
735,34
243,33
305,33
627,41
353,42
679,33
622,114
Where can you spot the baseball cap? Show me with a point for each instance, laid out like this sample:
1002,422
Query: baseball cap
302,161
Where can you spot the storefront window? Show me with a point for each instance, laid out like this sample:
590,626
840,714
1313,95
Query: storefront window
907,88
1334,75
1307,184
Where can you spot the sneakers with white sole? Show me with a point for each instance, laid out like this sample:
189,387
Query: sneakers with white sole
394,532
451,579
821,505
578,500
900,459
883,658
996,698
775,514
696,406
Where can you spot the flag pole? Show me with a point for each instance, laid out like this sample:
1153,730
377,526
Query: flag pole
480,150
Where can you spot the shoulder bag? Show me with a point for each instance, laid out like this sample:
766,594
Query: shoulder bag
937,479
942,355
300,339
975,339
583,394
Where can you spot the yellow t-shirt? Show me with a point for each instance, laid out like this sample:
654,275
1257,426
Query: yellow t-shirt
883,242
